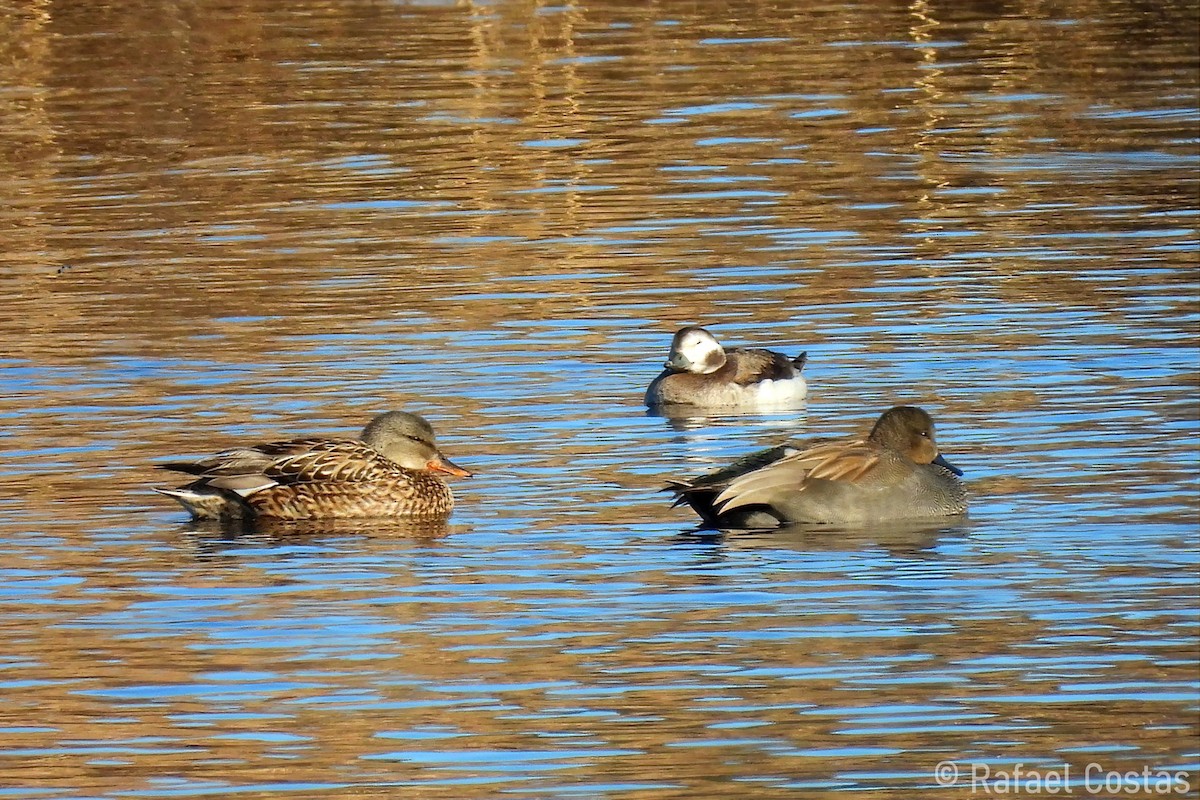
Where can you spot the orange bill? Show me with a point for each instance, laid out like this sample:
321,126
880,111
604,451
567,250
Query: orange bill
442,464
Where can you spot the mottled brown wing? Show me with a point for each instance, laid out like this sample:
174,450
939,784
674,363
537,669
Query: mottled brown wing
327,460
295,461
241,461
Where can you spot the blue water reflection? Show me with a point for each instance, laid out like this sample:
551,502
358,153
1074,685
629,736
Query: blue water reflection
284,220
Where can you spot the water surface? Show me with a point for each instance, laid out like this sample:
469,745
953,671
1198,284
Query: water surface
227,223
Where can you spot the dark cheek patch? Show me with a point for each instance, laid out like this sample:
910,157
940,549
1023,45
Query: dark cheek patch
713,360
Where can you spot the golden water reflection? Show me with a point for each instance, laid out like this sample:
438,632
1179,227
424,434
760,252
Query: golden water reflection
229,222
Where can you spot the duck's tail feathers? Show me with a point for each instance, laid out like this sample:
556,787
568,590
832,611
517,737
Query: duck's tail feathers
680,488
208,502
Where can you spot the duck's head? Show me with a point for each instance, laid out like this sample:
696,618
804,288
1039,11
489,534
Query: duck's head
909,430
408,440
695,350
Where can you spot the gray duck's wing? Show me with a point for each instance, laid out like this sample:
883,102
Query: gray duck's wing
838,462
720,478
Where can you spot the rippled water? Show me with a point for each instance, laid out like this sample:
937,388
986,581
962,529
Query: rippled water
233,222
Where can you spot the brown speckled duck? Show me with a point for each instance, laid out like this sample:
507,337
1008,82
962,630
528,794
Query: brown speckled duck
391,471
895,473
